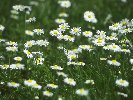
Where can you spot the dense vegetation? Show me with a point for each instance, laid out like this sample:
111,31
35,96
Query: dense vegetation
66,50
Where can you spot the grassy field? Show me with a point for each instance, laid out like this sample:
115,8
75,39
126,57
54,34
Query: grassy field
38,63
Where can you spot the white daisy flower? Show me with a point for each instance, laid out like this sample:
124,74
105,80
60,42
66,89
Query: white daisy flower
18,58
131,61
113,62
12,48
82,92
52,86
89,16
87,34
60,20
29,82
38,31
89,82
121,82
65,3
47,93
76,31
37,86
62,74
28,32
13,84
70,81
2,28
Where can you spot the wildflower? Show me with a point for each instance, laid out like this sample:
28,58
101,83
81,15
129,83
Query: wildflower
21,8
18,58
17,66
122,94
39,61
131,61
114,47
47,93
60,20
63,14
28,32
89,16
38,31
12,48
28,53
37,86
42,43
113,62
82,92
62,74
52,86
87,34
5,66
10,43
76,31
2,28
65,3
115,27
99,42
55,33
121,82
33,19
13,84
63,27
29,82
56,67
36,97
70,81
89,82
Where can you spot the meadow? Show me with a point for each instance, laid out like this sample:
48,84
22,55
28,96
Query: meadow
66,49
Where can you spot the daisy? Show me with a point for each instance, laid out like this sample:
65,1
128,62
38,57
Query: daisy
114,47
76,31
115,27
113,62
60,20
122,94
29,82
38,31
37,86
55,33
63,14
121,82
89,16
70,81
52,86
13,84
62,74
87,34
65,3
12,48
63,27
18,58
47,93
89,82
82,92
2,28
17,66
131,61
28,32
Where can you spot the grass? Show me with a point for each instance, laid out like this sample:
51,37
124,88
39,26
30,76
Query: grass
102,73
